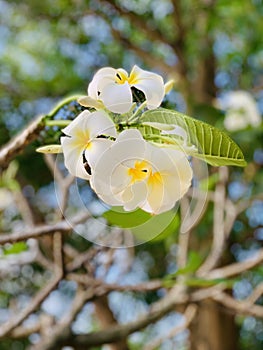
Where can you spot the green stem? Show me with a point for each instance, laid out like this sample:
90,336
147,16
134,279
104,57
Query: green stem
165,139
61,104
135,114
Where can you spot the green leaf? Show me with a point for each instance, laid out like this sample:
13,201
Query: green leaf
119,217
194,261
214,146
144,226
15,248
158,228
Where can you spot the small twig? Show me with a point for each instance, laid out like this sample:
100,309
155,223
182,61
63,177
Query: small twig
236,268
38,231
140,287
240,307
256,294
24,208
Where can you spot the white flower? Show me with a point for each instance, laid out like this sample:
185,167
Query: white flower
113,88
134,173
85,141
241,110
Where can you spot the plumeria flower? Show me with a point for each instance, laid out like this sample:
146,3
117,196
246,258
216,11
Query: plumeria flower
86,138
241,110
134,173
113,88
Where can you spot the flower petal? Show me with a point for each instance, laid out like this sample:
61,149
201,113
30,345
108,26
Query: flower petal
87,101
73,157
95,150
151,84
89,125
134,196
117,97
103,77
77,123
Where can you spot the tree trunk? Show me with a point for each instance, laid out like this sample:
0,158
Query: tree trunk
213,328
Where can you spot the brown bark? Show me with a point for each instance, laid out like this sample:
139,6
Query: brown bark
213,328
106,318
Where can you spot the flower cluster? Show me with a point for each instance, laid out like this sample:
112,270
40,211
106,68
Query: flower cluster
124,169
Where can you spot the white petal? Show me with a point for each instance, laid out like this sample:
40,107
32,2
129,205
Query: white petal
77,123
155,197
176,175
110,176
101,173
73,157
134,196
128,147
109,199
111,169
151,84
119,179
99,123
101,180
103,76
96,149
117,97
50,149
89,125
88,101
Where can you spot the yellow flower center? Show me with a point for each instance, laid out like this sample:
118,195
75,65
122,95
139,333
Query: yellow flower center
122,77
82,139
140,171
155,178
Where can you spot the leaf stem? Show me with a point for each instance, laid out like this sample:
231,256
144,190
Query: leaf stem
61,104
135,114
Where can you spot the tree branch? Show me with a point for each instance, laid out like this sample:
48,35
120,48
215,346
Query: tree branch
236,268
34,304
19,142
38,231
240,307
118,332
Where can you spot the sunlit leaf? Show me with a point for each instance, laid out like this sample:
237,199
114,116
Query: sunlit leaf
15,248
213,145
119,217
144,226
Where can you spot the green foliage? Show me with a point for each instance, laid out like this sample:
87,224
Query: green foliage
118,216
15,248
144,226
7,178
214,146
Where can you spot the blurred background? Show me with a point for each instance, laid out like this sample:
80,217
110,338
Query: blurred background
213,49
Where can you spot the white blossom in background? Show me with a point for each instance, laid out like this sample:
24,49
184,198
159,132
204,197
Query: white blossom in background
241,110
134,173
85,141
113,88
